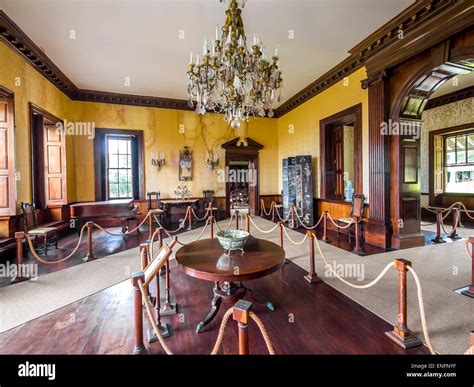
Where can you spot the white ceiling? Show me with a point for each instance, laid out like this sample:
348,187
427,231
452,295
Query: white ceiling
455,84
140,38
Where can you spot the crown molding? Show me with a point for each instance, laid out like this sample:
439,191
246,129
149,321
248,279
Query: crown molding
409,19
455,96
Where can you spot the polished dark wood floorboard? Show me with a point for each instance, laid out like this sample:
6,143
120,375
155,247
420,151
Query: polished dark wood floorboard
308,319
103,245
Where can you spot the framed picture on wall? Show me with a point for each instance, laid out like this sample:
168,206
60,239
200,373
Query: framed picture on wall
186,164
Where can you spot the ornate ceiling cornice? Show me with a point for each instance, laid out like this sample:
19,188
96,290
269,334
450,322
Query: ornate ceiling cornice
412,17
455,96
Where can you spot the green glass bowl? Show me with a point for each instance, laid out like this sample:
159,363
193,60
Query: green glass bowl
232,240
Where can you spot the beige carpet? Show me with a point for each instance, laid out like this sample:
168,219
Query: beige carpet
441,269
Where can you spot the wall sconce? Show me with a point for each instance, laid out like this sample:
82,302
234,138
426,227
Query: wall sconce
158,162
212,161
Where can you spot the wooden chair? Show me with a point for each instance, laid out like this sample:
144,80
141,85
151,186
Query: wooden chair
48,234
208,200
357,212
155,206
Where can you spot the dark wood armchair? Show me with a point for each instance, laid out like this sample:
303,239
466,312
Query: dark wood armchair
208,200
47,235
357,213
155,206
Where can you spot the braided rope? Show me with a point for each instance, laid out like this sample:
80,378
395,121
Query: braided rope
306,227
259,229
467,248
341,227
153,240
291,240
470,351
228,226
196,217
466,211
199,237
279,217
122,234
180,226
377,279
264,332
220,335
152,318
422,310
41,260
262,203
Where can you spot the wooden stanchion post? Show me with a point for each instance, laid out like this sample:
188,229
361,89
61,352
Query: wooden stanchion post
19,236
190,219
90,254
144,256
312,276
150,227
401,334
236,219
247,219
163,327
240,313
139,346
280,233
211,226
273,212
439,219
325,228
455,219
292,216
262,207
169,308
357,247
469,291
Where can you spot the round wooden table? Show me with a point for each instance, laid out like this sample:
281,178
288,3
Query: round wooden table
205,259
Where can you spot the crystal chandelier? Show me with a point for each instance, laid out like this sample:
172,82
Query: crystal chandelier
231,78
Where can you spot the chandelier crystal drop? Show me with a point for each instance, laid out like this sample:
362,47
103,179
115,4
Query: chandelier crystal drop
231,78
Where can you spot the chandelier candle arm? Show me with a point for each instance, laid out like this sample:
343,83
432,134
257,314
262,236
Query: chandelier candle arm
233,79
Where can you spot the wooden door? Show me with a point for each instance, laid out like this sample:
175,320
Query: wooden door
7,160
54,166
339,160
253,187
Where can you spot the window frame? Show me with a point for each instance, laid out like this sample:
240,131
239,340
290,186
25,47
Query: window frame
129,155
464,134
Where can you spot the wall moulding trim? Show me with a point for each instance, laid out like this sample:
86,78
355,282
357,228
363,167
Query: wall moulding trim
408,20
455,96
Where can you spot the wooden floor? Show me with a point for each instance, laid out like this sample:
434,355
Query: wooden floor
308,319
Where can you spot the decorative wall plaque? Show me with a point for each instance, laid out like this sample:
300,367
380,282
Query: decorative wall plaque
185,164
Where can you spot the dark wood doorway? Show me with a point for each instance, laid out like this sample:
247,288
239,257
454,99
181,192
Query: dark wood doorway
249,154
48,159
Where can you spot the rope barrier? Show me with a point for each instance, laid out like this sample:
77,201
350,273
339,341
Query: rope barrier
370,284
220,336
259,229
200,219
466,211
422,310
180,226
263,330
122,234
228,226
199,237
270,209
41,260
291,240
306,227
279,217
341,227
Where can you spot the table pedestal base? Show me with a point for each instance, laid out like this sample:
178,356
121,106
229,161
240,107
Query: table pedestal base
229,292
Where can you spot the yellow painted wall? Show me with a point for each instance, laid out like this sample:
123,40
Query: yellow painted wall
305,123
161,134
30,86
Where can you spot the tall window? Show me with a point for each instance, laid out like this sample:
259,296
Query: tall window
119,167
459,162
